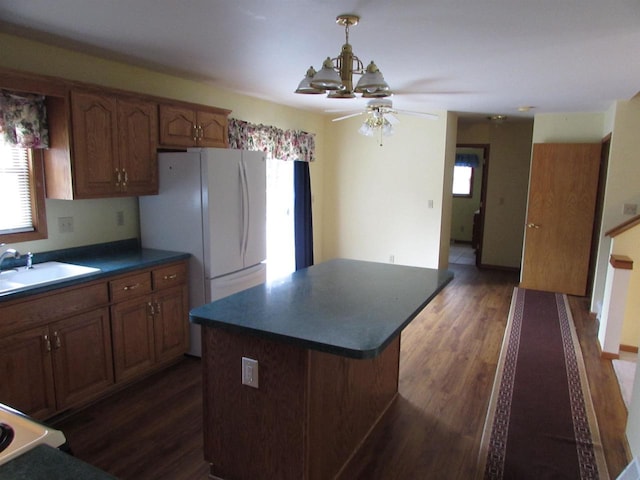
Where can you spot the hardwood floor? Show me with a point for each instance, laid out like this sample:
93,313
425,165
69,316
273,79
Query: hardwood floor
448,358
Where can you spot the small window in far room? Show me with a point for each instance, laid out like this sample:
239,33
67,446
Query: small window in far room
462,181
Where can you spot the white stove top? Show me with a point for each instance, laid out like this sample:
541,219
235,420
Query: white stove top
26,434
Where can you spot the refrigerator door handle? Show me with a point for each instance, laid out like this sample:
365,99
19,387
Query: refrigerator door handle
244,209
247,215
241,200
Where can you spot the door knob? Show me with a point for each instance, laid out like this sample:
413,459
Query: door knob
532,225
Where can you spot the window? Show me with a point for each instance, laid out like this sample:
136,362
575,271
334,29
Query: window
22,212
462,181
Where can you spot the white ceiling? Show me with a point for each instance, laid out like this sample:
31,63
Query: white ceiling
481,56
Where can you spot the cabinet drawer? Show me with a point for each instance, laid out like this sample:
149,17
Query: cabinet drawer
131,286
42,309
169,276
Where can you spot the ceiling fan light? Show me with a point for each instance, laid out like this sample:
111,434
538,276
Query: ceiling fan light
372,80
387,129
366,129
305,84
327,78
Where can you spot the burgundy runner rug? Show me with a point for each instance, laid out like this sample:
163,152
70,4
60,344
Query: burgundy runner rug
541,423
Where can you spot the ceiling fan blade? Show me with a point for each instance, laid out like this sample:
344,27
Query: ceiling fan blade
392,119
346,116
431,116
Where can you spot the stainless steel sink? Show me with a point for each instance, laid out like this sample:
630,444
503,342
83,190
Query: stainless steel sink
41,274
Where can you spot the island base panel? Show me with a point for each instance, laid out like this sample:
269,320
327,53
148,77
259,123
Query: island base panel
347,399
311,413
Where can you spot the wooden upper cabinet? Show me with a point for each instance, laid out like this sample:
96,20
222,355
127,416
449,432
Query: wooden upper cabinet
213,129
138,141
193,126
113,147
95,144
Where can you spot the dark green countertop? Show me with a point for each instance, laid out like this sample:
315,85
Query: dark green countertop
46,463
111,258
345,307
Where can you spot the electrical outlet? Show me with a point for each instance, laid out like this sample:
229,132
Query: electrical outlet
392,258
119,218
65,224
630,209
250,374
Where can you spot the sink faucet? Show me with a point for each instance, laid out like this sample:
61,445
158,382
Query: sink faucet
9,252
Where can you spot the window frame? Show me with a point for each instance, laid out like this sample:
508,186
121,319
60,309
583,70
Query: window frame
471,180
37,196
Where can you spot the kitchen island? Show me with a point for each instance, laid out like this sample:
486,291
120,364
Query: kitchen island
326,340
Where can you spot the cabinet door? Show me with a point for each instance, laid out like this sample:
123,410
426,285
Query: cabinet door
171,323
177,126
212,129
132,326
27,374
82,359
95,148
138,138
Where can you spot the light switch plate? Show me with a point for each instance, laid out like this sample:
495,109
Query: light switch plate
250,373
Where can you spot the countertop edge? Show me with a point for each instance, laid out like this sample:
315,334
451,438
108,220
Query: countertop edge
367,353
110,265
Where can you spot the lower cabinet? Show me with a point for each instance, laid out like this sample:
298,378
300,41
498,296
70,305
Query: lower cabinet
27,373
82,357
65,348
47,369
150,320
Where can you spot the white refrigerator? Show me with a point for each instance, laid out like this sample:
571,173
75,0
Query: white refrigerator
211,204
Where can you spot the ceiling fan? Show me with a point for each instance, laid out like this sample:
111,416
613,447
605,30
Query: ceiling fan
383,107
381,117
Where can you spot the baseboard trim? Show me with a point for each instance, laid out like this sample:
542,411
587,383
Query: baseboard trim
499,267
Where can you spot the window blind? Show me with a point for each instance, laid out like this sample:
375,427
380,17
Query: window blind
15,190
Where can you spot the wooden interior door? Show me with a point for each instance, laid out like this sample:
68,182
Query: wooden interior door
562,195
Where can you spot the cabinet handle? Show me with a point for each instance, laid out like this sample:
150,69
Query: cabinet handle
195,133
131,287
157,309
47,343
173,276
126,179
200,131
532,225
56,342
150,309
118,177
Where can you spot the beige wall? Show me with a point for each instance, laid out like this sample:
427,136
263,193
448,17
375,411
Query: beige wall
623,182
384,201
94,220
509,159
628,243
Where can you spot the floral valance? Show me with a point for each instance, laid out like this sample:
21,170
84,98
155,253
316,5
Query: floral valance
277,143
23,120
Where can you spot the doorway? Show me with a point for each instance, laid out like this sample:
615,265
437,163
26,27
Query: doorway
468,210
280,230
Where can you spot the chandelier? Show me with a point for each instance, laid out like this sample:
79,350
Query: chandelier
336,75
